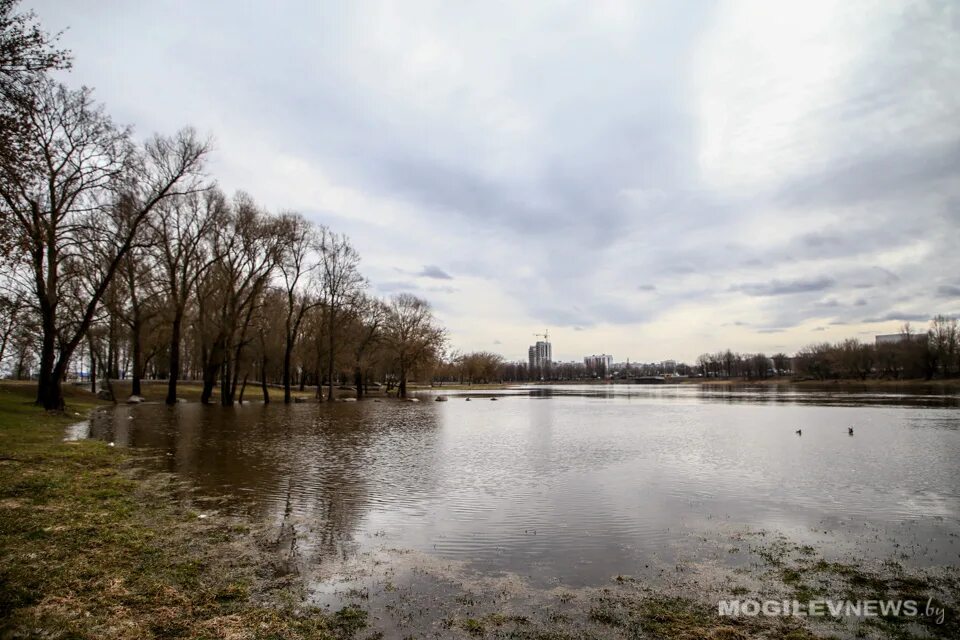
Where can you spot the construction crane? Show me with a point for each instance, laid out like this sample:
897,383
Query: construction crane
545,335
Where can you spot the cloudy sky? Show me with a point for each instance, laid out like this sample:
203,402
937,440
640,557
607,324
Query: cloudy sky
651,180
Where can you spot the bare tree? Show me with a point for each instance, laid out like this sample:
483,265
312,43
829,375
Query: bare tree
270,338
299,272
341,285
365,331
12,308
92,186
142,289
27,53
944,339
412,335
247,250
479,367
781,363
182,230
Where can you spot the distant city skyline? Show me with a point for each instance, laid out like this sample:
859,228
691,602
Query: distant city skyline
750,175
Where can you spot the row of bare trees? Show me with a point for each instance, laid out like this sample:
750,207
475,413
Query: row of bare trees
477,367
729,364
123,258
907,355
930,354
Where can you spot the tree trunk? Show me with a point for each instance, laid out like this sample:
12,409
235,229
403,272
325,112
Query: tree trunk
263,380
287,354
243,387
18,375
52,396
226,378
331,343
111,367
135,339
174,359
108,383
330,376
209,380
6,335
93,367
47,396
358,381
211,369
235,381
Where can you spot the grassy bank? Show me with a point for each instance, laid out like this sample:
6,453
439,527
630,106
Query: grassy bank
93,549
156,391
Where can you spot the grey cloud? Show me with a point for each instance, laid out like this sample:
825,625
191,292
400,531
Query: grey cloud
681,269
785,287
866,179
899,316
819,239
646,287
433,271
876,277
948,291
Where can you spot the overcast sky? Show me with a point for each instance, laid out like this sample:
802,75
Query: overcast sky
647,180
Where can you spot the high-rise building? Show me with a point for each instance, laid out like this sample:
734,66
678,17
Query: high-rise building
539,355
599,365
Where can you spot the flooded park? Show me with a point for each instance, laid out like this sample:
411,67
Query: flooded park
527,493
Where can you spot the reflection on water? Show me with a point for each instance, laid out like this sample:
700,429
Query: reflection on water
574,484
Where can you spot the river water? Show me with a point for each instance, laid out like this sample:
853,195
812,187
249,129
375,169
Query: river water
570,485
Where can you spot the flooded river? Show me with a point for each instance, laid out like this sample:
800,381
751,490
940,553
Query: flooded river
570,485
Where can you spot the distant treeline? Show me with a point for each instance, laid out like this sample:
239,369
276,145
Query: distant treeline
930,354
909,354
484,367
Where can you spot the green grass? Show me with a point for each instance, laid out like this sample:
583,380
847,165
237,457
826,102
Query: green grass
92,550
668,617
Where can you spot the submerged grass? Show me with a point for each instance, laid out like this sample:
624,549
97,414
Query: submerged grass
677,617
808,577
92,550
